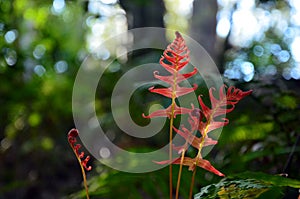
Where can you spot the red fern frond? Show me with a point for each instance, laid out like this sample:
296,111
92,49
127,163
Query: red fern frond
192,163
206,120
173,92
175,58
168,112
176,55
225,104
72,139
72,135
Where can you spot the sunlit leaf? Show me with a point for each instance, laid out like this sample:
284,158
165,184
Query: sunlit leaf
246,185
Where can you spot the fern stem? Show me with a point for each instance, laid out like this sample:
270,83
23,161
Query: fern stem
198,157
192,183
179,174
171,149
170,158
82,172
85,182
171,131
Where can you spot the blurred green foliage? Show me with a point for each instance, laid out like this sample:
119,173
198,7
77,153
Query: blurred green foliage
109,183
40,53
41,50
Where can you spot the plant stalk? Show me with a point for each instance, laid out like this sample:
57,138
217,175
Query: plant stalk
83,174
85,182
192,183
171,149
179,174
204,135
171,135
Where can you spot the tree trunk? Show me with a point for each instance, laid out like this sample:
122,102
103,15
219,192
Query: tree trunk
144,13
203,25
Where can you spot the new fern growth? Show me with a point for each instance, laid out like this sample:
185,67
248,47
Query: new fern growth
203,120
72,139
175,58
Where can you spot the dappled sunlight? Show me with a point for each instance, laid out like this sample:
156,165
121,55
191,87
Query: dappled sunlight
39,70
109,1
295,48
247,132
11,36
61,55
239,69
223,27
39,51
178,13
251,25
107,19
61,66
58,6
241,33
10,56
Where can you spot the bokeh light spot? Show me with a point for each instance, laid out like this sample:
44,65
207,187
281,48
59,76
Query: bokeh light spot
109,1
58,6
295,72
223,27
10,57
11,36
258,50
5,143
295,48
275,49
39,51
61,66
247,68
286,73
39,70
104,152
284,56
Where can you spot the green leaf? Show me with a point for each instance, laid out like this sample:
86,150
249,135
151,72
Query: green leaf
247,185
244,188
275,180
